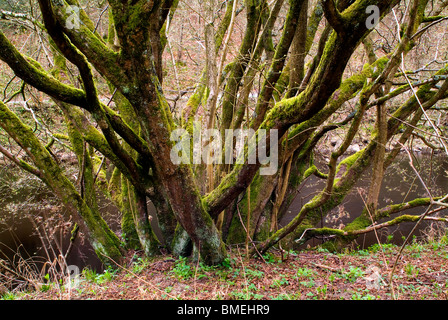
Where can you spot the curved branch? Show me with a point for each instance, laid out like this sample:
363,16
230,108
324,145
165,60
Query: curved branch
22,164
341,233
278,61
32,73
333,16
105,60
77,58
100,142
5,15
348,171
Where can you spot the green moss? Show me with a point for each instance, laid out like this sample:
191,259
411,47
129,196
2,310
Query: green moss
193,103
347,163
99,233
309,171
181,245
329,231
59,65
228,181
165,111
129,232
390,209
358,223
33,73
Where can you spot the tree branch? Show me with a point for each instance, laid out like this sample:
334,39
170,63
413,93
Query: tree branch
5,15
100,142
105,60
334,17
341,233
20,163
278,61
98,112
32,73
294,110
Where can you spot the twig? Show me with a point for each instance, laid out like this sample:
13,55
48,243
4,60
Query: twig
429,103
99,169
245,229
99,19
418,129
427,27
379,242
138,277
327,267
20,163
418,222
197,267
244,274
72,240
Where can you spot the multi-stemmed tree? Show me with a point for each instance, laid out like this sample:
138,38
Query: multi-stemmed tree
297,67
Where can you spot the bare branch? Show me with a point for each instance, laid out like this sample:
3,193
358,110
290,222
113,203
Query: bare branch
31,72
20,163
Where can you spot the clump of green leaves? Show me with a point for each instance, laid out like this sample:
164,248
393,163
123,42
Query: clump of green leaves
99,278
353,274
182,268
305,273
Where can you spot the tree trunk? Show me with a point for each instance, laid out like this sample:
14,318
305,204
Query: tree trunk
105,243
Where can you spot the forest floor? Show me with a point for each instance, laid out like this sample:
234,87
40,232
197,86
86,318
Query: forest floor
421,273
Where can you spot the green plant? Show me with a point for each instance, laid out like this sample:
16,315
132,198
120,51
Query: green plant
311,295
411,270
270,258
182,269
322,250
385,246
360,296
251,273
140,265
322,292
363,252
250,292
283,296
47,285
8,296
305,273
280,282
99,278
390,237
227,263
353,274
309,284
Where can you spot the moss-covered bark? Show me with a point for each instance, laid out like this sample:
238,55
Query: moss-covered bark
239,66
261,189
127,205
278,61
104,241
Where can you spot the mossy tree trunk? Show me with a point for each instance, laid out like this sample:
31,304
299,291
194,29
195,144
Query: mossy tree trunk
105,243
